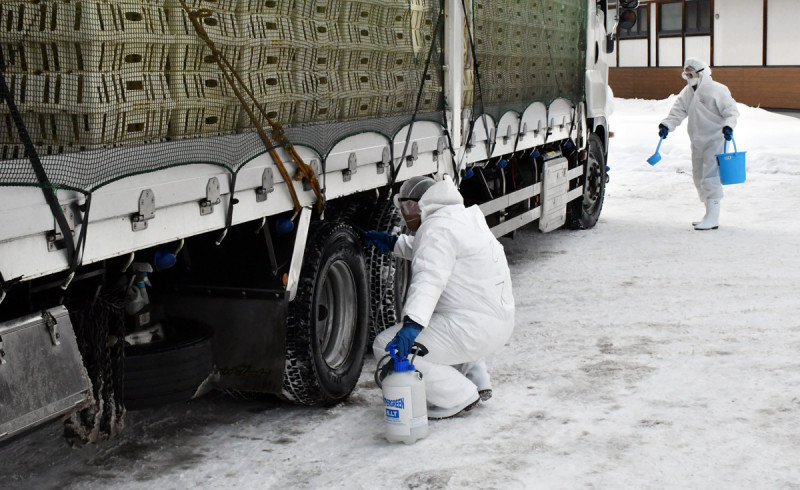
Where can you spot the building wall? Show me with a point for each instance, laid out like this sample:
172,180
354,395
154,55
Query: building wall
738,32
783,33
757,57
773,87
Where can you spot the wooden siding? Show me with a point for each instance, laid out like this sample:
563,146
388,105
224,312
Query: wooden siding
773,87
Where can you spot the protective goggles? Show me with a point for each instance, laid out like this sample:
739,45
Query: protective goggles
401,203
689,73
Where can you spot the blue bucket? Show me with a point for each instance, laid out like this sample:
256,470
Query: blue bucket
731,165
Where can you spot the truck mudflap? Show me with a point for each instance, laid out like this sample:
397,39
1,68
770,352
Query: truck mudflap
249,333
42,375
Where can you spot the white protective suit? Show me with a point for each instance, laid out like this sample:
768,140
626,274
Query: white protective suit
460,292
709,108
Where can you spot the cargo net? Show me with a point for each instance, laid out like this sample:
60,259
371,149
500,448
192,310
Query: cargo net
521,51
110,89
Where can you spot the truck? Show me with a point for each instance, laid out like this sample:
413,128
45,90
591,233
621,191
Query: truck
184,184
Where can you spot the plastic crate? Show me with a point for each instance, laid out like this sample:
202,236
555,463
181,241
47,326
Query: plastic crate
324,10
226,5
312,109
363,60
404,17
278,109
61,21
360,13
195,55
359,37
318,33
270,85
406,40
317,59
363,81
14,151
102,56
199,87
220,26
394,104
258,56
203,119
98,129
269,7
270,30
316,82
402,60
359,105
84,93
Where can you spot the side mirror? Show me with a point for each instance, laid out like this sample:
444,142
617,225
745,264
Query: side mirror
610,43
627,19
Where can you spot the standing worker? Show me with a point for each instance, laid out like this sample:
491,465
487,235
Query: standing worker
459,303
711,111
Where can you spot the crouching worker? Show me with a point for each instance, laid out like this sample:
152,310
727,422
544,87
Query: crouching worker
459,303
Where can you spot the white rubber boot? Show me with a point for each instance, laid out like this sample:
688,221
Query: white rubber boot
695,223
711,221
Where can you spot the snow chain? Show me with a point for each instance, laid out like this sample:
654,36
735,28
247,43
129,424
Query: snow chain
100,330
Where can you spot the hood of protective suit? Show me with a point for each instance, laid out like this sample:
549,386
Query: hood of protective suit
698,65
440,195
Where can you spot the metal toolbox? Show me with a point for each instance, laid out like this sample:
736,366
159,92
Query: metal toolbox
41,370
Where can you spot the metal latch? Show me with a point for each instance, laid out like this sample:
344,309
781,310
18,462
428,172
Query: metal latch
352,166
147,210
267,185
410,159
492,138
212,197
441,146
508,135
2,352
52,327
317,168
55,238
386,159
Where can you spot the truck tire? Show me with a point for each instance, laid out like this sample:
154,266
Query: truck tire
389,276
584,213
326,331
168,371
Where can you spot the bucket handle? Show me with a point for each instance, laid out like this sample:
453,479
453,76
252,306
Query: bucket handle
725,146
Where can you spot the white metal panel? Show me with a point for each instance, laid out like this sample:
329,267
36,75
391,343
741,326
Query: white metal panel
533,126
507,129
653,29
738,32
670,51
559,118
783,35
633,52
555,187
699,47
368,148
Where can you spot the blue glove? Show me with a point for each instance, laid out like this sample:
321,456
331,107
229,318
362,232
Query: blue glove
381,240
727,132
405,338
663,131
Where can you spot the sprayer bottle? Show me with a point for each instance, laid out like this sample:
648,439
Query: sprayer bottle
405,409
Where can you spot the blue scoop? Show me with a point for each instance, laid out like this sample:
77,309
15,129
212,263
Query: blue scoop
656,156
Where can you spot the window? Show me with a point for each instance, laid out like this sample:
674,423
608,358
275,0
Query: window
641,28
698,16
670,17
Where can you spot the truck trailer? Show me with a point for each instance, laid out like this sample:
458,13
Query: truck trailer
184,184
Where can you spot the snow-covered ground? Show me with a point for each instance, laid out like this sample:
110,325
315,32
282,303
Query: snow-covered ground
645,354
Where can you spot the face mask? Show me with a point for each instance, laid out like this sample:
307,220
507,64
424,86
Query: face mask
693,81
